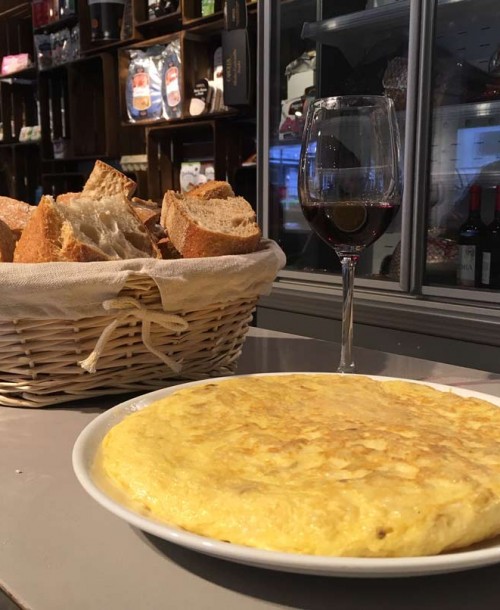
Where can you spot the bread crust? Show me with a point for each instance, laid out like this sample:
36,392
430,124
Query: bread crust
167,249
67,197
147,211
213,189
49,237
15,214
195,241
105,181
40,240
7,243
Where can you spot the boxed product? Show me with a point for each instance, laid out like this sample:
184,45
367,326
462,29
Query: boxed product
235,14
15,63
238,89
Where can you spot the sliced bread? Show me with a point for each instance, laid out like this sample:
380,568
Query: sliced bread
213,189
15,214
84,230
148,211
7,243
105,181
199,228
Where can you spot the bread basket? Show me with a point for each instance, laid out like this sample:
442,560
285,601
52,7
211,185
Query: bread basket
70,331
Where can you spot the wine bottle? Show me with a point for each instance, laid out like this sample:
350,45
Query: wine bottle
490,277
470,239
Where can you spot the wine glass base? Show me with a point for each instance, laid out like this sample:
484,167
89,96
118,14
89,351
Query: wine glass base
346,368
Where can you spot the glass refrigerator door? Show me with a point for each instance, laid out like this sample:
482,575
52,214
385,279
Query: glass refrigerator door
463,238
321,49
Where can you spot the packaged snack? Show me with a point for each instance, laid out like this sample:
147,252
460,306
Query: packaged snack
143,90
172,80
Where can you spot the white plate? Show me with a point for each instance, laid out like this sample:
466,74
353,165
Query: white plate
89,440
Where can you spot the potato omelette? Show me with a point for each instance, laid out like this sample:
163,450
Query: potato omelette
320,464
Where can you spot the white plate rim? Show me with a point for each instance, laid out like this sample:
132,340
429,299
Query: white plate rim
361,567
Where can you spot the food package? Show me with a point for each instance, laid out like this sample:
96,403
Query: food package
15,63
194,173
143,88
171,81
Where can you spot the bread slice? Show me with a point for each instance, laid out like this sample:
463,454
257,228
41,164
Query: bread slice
213,189
84,230
167,249
105,181
199,228
148,211
15,214
7,243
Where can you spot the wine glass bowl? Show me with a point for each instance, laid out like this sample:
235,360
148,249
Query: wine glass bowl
349,182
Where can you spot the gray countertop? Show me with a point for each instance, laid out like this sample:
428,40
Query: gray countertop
59,550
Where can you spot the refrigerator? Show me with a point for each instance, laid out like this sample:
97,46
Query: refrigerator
440,63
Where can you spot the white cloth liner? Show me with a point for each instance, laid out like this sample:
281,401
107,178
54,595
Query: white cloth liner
80,290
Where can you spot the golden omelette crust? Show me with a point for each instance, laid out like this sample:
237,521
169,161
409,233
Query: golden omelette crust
315,464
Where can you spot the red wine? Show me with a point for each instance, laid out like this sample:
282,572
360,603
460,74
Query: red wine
349,224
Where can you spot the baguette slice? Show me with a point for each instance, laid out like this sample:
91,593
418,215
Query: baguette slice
15,214
223,226
84,230
105,180
7,243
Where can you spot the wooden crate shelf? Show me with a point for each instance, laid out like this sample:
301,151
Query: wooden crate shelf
171,145
87,92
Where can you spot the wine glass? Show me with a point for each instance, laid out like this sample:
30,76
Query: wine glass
349,183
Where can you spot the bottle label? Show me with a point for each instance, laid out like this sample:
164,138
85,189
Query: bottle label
466,265
486,270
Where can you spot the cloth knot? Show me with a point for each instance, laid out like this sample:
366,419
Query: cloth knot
126,307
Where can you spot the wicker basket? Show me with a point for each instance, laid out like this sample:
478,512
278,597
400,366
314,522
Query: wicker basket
138,346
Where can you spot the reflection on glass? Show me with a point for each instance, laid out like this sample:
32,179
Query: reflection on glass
465,142
365,57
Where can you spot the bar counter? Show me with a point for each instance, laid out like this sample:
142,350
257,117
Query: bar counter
59,550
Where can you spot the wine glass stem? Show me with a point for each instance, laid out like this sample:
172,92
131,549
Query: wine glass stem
346,359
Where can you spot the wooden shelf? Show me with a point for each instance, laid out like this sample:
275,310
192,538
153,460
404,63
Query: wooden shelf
64,22
161,123
166,24
87,91
18,144
84,101
27,74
